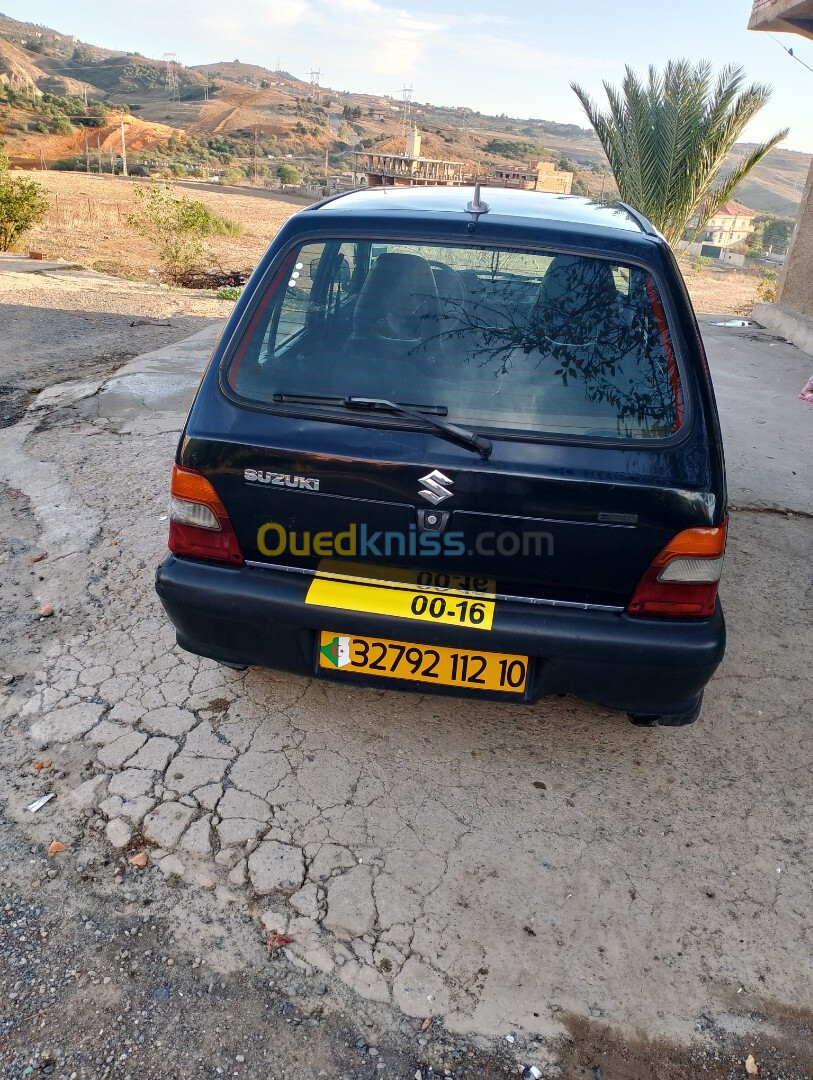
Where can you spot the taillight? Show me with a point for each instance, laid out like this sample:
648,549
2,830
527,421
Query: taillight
198,523
684,577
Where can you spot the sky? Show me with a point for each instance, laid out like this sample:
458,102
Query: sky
516,58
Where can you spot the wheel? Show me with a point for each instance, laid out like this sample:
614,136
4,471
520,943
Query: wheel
234,667
667,719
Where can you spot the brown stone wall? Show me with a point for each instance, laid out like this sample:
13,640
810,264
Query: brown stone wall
797,281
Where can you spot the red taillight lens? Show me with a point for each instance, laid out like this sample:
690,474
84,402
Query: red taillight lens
198,523
683,578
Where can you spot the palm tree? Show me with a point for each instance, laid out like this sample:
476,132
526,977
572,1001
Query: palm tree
668,137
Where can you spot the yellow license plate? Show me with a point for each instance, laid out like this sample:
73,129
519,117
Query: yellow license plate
423,663
366,573
402,603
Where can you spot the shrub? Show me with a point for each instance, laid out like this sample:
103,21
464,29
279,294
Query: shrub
700,262
288,174
23,204
231,177
177,226
767,286
74,164
231,292
215,224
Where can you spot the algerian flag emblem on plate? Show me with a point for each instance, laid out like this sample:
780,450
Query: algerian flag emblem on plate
336,651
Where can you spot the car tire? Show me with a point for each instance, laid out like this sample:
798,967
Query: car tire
234,667
667,719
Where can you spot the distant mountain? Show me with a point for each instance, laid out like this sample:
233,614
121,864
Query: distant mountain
250,74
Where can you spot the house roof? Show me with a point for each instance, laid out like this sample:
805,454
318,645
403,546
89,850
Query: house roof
735,209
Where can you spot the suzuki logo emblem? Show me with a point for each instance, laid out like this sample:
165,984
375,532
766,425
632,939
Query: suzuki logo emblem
437,487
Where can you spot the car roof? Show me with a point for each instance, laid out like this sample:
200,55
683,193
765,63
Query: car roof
502,202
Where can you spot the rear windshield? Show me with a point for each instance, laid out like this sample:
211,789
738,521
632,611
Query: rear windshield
497,340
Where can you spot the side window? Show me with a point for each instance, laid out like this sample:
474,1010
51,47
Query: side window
315,295
297,296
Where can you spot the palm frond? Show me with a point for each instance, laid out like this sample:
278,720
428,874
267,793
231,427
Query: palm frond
668,136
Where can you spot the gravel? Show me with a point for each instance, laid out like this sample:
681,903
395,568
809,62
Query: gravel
98,980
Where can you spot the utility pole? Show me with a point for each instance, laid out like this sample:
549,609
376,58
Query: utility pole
123,151
171,81
406,115
99,149
87,157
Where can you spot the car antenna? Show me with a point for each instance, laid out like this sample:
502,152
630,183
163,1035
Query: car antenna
475,207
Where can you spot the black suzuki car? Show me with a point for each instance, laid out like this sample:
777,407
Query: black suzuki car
462,442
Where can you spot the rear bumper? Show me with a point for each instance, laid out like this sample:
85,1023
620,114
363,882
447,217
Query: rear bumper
244,615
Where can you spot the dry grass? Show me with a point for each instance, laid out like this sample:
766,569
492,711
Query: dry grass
88,224
722,292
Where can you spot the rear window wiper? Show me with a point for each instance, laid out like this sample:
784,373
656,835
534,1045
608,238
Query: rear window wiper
424,413
321,399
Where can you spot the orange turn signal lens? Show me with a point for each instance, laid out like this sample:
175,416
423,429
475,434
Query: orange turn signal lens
704,542
193,487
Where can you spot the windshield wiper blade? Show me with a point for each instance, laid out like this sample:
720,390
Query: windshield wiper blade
319,399
470,439
424,413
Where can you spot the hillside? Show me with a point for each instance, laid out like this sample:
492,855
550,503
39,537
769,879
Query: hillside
57,94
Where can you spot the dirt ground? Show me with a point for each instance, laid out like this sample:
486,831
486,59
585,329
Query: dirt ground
727,292
546,887
87,223
76,325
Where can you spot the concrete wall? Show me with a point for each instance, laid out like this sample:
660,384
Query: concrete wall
787,323
796,286
783,16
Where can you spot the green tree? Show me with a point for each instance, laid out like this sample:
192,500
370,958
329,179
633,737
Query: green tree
515,151
288,174
776,233
668,137
23,204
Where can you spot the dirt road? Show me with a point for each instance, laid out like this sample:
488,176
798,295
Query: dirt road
465,888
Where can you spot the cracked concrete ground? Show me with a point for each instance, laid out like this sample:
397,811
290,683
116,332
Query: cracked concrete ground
500,868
